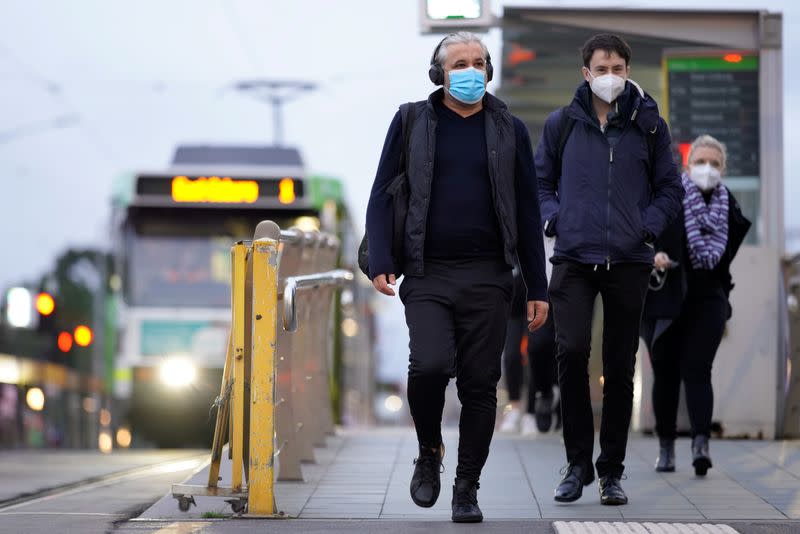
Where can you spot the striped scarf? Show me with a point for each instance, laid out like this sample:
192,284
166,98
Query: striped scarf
706,224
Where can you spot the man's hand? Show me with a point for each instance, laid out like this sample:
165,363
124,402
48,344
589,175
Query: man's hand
662,261
537,314
382,285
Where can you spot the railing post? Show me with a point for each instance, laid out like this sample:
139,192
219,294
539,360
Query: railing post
261,497
238,325
288,423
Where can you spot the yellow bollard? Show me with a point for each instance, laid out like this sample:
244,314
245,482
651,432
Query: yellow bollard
238,322
261,497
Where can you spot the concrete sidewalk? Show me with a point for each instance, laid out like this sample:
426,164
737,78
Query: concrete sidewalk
365,475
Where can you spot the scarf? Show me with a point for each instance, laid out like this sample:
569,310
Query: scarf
706,224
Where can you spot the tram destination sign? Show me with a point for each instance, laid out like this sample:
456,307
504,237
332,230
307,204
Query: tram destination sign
230,191
716,95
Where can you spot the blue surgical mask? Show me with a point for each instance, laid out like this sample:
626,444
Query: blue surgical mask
467,85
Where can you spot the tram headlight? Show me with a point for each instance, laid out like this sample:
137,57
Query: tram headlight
177,371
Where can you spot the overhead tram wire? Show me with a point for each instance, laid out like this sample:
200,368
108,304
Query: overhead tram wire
55,90
234,22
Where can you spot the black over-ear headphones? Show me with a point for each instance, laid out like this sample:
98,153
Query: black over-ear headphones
436,71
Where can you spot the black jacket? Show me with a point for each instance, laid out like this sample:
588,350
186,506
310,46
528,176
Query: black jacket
513,181
666,303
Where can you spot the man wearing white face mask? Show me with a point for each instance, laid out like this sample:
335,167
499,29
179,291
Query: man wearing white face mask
684,320
466,165
608,186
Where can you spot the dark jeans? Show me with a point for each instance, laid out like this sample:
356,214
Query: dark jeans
686,351
573,289
541,360
456,316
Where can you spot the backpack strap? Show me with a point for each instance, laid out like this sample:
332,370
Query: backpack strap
650,138
565,126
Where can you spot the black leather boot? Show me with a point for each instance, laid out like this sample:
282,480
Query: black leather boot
465,502
700,457
571,486
425,483
666,456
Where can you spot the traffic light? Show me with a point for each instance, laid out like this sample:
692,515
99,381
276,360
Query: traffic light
45,304
64,341
83,336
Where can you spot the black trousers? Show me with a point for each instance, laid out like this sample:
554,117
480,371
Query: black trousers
541,360
573,289
686,351
456,316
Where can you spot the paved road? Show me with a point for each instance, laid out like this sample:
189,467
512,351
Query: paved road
43,492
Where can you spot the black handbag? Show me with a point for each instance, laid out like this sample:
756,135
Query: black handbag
400,192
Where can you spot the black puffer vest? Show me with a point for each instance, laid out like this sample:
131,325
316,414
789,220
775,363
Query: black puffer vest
501,147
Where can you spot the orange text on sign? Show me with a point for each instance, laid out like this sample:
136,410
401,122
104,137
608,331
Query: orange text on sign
286,194
214,189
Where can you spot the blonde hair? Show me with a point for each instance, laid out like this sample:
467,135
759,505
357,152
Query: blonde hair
706,141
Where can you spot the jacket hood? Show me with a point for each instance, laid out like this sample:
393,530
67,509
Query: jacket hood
634,104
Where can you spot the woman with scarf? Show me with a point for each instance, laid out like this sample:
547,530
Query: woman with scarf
683,321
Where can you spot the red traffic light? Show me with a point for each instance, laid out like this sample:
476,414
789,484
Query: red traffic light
45,304
83,335
64,341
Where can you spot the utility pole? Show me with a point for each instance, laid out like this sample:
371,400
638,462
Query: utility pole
277,93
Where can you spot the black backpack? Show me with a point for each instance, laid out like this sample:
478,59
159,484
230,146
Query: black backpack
399,190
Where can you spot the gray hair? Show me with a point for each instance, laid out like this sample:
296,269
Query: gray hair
459,38
706,141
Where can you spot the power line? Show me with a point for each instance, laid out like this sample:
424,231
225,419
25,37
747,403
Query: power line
55,91
234,23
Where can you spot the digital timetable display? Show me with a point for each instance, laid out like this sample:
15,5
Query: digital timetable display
716,95
218,190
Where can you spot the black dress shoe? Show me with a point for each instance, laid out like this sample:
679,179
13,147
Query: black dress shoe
465,502
571,486
611,492
700,456
666,456
425,484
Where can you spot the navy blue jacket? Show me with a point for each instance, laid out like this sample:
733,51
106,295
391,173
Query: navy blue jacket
602,210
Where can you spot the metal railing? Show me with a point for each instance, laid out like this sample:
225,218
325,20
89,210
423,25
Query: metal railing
275,403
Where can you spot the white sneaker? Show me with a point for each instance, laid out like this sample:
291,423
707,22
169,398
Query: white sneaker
510,422
528,425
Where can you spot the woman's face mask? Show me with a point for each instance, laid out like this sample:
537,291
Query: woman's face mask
467,85
607,87
705,176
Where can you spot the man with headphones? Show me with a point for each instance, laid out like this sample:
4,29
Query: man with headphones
472,212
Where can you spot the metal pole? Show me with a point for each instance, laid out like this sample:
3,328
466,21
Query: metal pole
277,120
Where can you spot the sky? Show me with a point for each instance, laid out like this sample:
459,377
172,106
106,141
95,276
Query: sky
91,89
